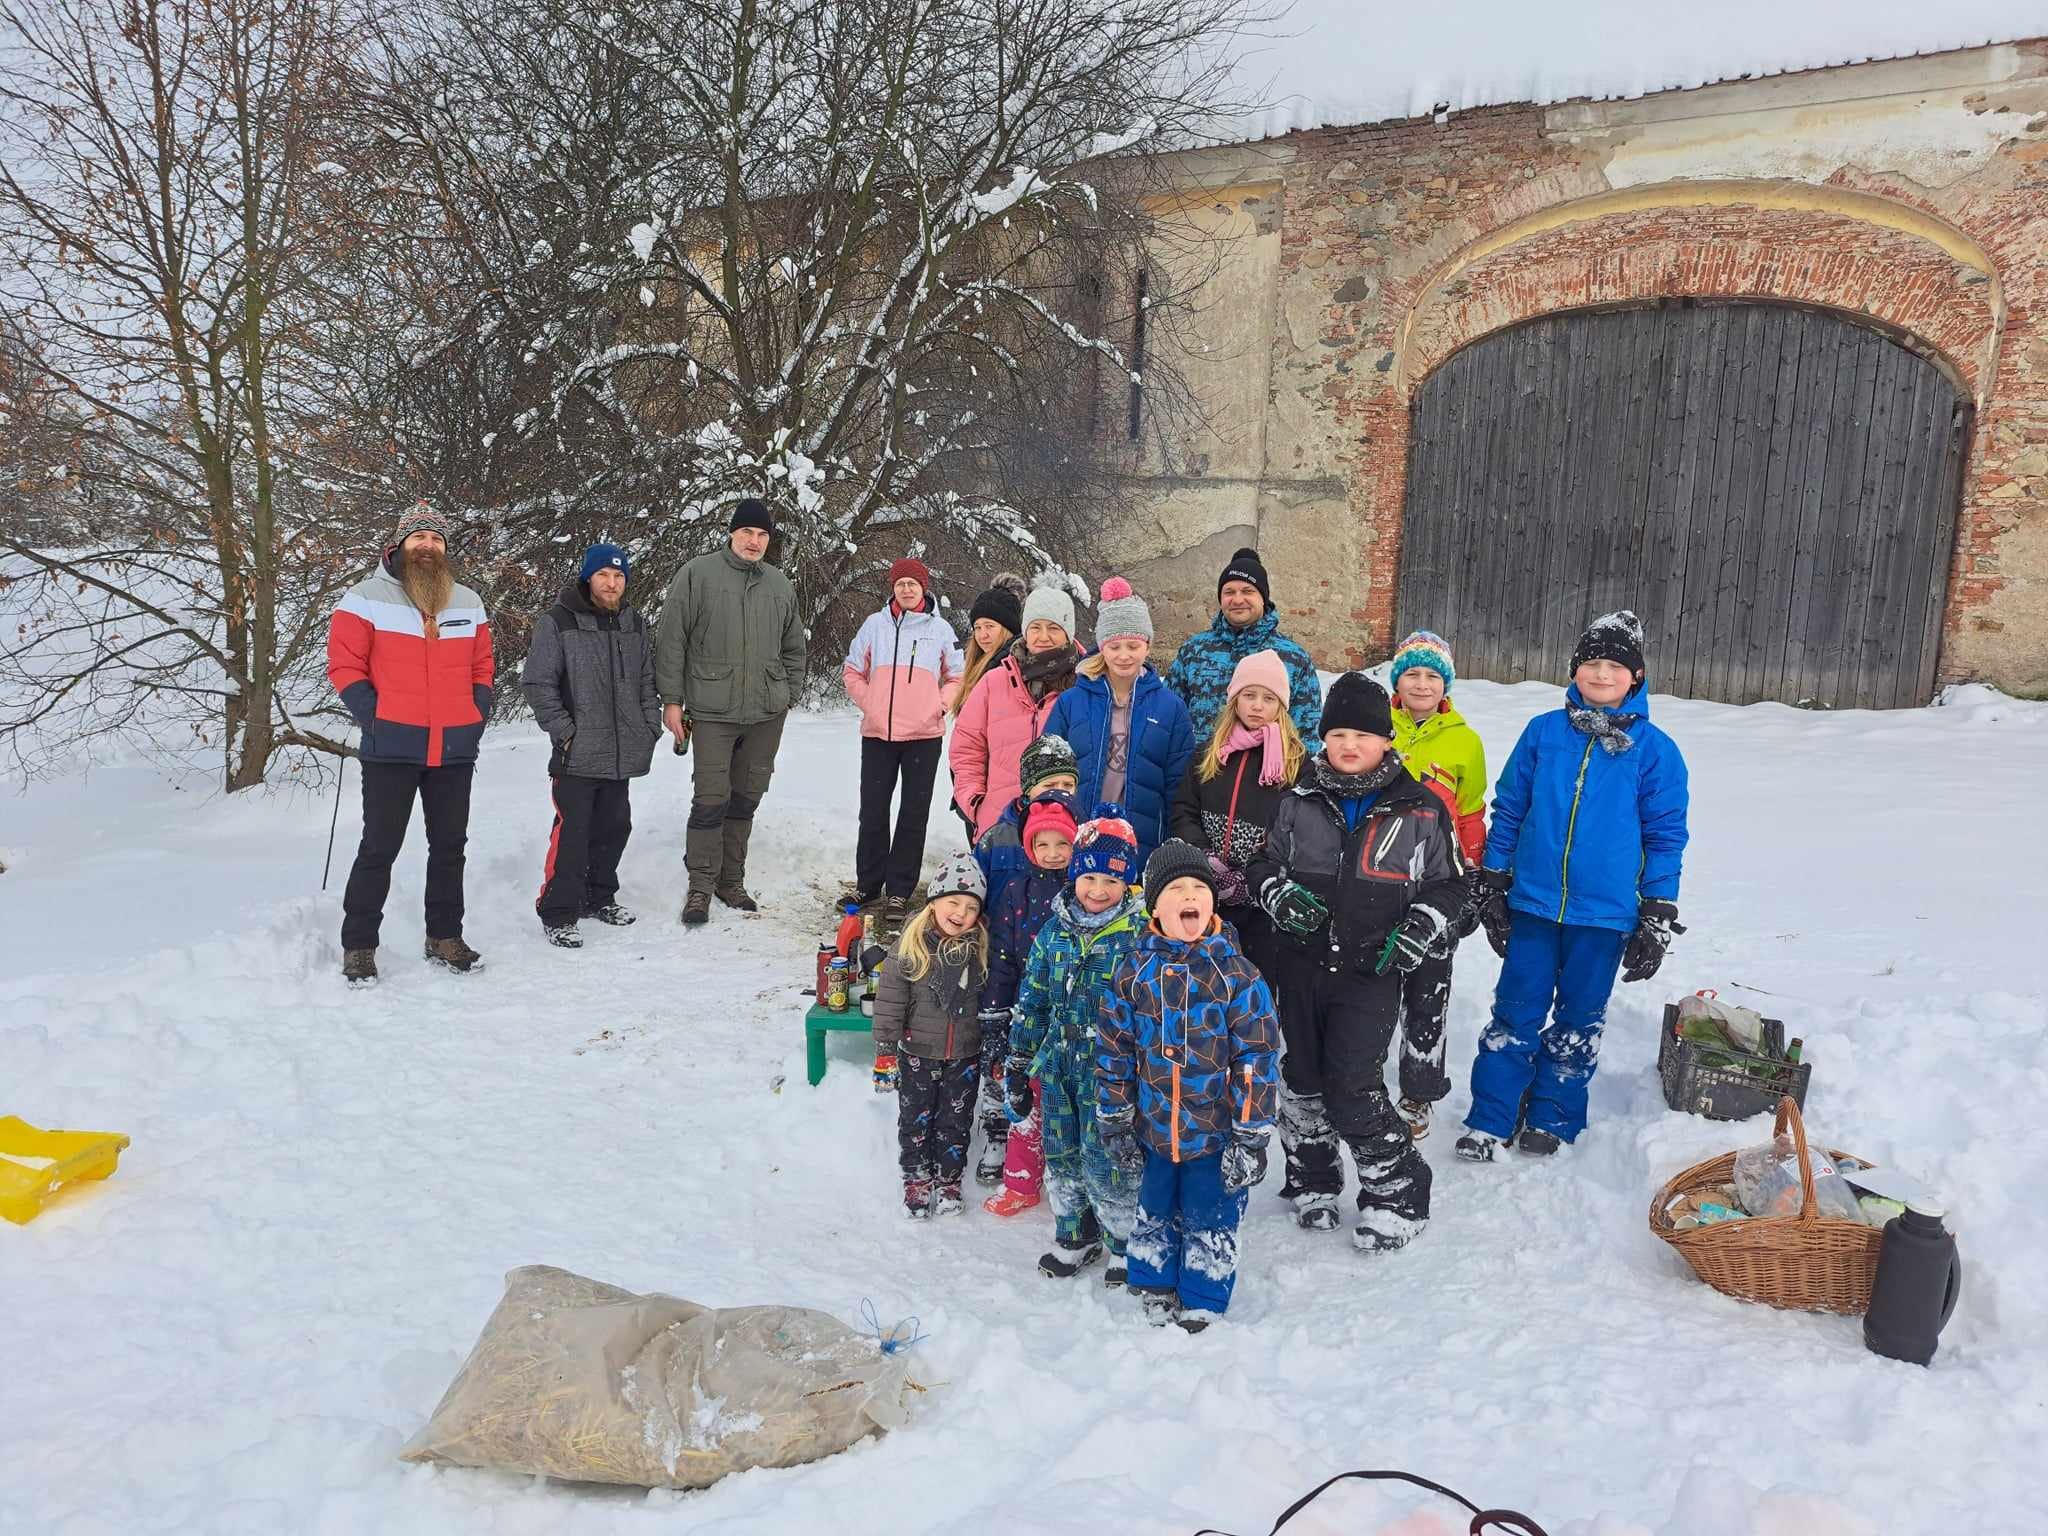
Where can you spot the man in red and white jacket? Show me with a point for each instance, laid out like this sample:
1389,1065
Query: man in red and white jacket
409,651
903,670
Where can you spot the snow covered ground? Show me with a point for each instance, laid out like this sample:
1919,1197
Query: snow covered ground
239,1330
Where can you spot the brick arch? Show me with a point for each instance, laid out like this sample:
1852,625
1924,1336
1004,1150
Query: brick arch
1893,265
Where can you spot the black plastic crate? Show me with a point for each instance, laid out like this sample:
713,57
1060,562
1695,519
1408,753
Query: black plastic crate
1723,1089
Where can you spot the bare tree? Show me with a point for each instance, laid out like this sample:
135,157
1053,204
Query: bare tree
174,211
877,261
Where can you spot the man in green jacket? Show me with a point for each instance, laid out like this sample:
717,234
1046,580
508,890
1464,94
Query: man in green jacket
728,662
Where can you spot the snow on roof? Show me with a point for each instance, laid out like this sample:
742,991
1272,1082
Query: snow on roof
1342,62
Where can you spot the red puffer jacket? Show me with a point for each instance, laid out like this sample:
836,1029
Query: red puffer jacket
420,694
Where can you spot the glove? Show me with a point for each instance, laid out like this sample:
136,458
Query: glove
1244,1160
1017,1101
1414,939
558,760
1231,890
995,1023
885,1070
1293,907
1488,889
1120,1139
1657,925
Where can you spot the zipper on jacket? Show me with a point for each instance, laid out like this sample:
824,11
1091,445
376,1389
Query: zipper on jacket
895,655
618,668
1564,864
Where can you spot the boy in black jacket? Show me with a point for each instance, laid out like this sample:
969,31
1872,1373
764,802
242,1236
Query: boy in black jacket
1360,874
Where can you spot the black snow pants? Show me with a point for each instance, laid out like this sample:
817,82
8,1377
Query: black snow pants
934,1113
880,861
593,820
1425,999
388,793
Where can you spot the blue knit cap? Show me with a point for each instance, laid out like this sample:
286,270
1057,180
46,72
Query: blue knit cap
1424,648
600,556
1106,845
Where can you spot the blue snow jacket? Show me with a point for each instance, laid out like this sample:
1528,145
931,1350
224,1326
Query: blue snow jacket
1014,920
1590,834
1189,1027
1201,670
1162,742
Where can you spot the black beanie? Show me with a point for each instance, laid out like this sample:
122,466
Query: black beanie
1357,703
1245,566
1616,636
1001,602
1176,860
752,513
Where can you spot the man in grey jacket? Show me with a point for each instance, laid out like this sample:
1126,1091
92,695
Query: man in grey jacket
729,660
589,676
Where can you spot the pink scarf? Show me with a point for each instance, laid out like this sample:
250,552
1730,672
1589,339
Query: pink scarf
1274,764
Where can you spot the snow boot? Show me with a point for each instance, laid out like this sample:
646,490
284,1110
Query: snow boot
696,909
1161,1307
1063,1263
1476,1147
1417,1113
1007,1202
563,936
917,1199
1117,1274
736,897
988,1168
946,1199
454,955
1538,1143
1193,1320
1317,1213
1384,1231
359,967
613,915
886,1069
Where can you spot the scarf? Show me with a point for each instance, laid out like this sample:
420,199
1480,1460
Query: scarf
1352,786
1609,727
1045,673
1274,763
1070,911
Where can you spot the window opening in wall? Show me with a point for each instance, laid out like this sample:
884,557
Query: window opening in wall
1138,356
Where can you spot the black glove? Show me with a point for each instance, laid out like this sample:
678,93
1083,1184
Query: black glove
1415,938
1017,1101
995,1024
1120,1139
558,760
1293,907
1657,925
1244,1160
1488,890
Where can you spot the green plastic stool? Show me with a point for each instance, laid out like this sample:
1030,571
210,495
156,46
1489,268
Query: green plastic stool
817,1020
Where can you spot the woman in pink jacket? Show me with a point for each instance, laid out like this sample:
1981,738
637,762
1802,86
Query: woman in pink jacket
1007,709
903,670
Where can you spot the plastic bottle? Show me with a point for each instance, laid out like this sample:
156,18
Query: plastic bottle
847,942
1919,1277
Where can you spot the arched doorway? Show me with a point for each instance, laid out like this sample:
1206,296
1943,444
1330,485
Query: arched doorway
1773,489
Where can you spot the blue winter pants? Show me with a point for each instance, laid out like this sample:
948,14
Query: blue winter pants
1087,1190
1184,1238
1525,1049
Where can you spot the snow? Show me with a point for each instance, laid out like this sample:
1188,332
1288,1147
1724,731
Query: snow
1336,62
241,1327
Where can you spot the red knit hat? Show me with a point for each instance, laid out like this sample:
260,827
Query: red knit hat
912,567
1051,813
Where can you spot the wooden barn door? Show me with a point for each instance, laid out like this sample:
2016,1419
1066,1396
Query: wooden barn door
1772,489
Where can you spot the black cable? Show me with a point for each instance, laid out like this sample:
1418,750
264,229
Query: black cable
1482,1519
333,822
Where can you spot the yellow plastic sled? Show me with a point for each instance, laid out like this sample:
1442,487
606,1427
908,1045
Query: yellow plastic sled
35,1164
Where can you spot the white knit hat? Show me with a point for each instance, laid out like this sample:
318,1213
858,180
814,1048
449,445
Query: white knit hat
1051,601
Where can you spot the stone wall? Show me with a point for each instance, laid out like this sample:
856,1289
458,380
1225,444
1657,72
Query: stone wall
1913,193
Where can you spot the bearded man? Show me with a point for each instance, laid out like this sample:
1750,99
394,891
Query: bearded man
409,651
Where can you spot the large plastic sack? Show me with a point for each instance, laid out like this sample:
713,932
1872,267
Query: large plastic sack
573,1378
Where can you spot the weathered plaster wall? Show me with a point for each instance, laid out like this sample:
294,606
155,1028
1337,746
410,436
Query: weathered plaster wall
1913,192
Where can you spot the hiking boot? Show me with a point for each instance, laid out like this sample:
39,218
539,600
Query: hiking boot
696,909
1538,1143
1476,1147
1161,1307
1063,1263
1193,1321
917,1199
946,1199
613,915
1117,1275
894,911
1317,1213
1007,1202
563,935
736,897
359,967
1417,1113
454,955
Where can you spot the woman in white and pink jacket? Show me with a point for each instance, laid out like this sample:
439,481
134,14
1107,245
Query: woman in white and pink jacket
904,672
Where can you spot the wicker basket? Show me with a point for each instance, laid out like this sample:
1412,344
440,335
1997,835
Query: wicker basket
1813,1262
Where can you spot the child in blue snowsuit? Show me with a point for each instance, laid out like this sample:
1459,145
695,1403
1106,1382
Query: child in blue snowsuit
1186,1078
1052,1037
1580,879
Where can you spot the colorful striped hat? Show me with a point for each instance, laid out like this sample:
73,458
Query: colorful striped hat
1424,648
1106,845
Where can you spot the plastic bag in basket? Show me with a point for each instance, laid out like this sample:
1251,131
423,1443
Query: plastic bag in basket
1767,1182
573,1378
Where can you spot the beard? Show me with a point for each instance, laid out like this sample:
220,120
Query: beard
427,580
604,604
